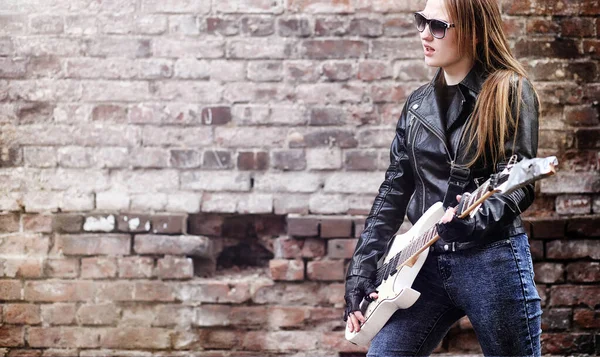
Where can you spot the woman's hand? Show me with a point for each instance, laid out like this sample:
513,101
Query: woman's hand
356,318
450,212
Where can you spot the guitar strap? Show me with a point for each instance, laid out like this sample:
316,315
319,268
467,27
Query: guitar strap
457,184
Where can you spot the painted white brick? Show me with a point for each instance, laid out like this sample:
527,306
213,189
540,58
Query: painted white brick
148,202
188,202
99,223
112,201
140,181
219,202
328,204
298,182
324,159
356,183
77,202
255,203
215,180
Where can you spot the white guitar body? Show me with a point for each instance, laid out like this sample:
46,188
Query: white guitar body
396,292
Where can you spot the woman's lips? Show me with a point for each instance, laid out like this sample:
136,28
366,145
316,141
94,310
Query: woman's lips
428,50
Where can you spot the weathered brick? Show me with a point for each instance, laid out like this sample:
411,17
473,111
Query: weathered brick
26,268
573,295
173,315
302,226
338,71
301,71
154,291
573,249
135,267
134,337
583,272
583,227
326,270
280,341
333,49
9,222
547,228
282,269
341,248
586,318
324,138
222,26
168,224
91,244
212,291
12,336
58,313
258,48
99,223
171,267
335,227
177,245
324,159
59,291
257,26
566,343
288,160
250,160
217,160
98,267
287,316
98,314
298,27
62,268
22,314
581,115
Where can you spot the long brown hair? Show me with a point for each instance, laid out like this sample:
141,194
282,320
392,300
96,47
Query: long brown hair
480,33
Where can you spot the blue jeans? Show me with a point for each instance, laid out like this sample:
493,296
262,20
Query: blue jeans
492,284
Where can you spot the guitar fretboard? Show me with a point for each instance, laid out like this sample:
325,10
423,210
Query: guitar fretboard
391,267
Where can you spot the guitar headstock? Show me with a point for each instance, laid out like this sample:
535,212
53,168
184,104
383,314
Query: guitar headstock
527,171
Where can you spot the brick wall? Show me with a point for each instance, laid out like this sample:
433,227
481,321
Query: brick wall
192,175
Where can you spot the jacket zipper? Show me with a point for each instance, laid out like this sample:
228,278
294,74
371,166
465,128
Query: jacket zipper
415,159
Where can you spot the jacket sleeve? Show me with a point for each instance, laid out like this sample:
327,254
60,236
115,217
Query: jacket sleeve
501,209
389,207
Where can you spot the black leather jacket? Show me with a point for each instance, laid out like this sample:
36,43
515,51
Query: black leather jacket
420,161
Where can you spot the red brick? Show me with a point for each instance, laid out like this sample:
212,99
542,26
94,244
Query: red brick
302,226
335,227
22,314
537,249
573,295
549,272
59,291
327,270
24,267
335,341
93,244
98,314
341,138
98,267
206,224
584,227
330,49
132,338
313,248
135,223
583,272
573,249
547,228
281,341
66,337
326,315
62,268
135,267
543,27
360,160
581,115
59,314
556,7
116,291
288,160
11,336
171,267
286,247
519,7
173,316
198,246
341,248
567,343
592,47
294,27
258,26
366,27
287,316
24,353
225,27
577,27
10,290
250,160
586,318
216,115
220,339
9,222
282,269
39,223
338,71
327,116
330,27
153,291
556,319
248,315
541,48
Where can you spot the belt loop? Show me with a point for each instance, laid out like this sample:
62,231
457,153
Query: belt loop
454,246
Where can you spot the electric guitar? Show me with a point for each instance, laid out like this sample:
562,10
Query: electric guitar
408,251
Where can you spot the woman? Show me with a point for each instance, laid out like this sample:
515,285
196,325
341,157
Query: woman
477,112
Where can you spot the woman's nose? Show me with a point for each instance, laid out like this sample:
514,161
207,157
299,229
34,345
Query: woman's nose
426,34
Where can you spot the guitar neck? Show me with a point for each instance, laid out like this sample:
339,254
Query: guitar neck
410,253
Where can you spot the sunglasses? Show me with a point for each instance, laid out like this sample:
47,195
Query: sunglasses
437,28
